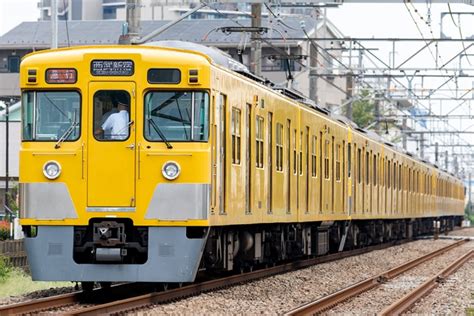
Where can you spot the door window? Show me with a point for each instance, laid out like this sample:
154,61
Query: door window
112,115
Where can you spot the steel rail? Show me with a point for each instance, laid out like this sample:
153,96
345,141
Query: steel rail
406,302
198,288
41,304
45,303
336,298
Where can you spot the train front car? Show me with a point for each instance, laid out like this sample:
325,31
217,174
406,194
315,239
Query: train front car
115,163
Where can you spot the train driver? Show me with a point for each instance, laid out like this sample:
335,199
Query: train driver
115,126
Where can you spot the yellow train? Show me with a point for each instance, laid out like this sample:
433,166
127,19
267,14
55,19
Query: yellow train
148,163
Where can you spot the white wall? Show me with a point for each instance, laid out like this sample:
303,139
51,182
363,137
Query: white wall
9,84
14,148
92,10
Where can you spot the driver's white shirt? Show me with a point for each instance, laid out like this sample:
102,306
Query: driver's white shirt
116,126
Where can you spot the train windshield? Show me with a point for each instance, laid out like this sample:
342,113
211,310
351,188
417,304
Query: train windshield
51,115
177,116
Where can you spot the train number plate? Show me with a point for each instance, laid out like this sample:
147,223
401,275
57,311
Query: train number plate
103,67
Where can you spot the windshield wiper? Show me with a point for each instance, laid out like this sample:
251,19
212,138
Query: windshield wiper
158,130
66,134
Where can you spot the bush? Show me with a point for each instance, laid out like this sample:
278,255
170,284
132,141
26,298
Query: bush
4,268
4,230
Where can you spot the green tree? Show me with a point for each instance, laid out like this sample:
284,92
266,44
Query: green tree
363,109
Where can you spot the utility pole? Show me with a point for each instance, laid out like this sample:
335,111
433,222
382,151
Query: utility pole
7,154
377,111
349,94
446,160
436,153
404,135
313,63
422,146
54,24
132,26
133,18
470,193
256,48
456,165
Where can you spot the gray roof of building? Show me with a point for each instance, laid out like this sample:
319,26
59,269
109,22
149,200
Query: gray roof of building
38,34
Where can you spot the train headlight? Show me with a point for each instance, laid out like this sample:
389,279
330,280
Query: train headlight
170,170
52,169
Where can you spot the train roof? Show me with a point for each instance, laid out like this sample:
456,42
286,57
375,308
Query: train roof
216,55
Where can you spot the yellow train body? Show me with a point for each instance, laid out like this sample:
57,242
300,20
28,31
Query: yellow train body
268,158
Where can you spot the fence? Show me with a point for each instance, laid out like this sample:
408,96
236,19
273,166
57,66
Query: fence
14,251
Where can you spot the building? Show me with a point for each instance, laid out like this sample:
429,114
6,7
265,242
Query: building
88,10
14,149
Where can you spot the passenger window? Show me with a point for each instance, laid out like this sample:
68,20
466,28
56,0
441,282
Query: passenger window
313,157
326,159
359,165
367,167
259,142
338,162
112,115
279,147
235,131
349,162
295,161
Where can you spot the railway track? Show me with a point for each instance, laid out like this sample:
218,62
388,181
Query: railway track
138,301
69,299
403,304
406,302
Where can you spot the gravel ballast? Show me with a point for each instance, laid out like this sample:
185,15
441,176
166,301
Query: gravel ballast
281,293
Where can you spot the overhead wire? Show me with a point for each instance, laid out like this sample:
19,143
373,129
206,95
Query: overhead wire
66,19
279,50
422,36
458,26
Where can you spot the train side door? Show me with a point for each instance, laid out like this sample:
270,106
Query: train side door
111,145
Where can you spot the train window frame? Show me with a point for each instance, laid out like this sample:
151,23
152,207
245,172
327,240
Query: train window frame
259,141
314,156
301,154
326,160
236,135
394,176
338,163
79,135
389,174
295,160
375,169
349,160
94,116
400,176
367,167
359,165
279,147
207,122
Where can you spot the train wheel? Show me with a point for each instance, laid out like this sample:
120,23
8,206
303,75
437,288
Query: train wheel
105,285
87,287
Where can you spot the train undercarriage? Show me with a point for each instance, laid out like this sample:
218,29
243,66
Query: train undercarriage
241,247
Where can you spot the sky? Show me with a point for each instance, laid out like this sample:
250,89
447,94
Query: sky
13,12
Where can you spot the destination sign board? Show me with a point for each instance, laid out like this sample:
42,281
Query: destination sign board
108,67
